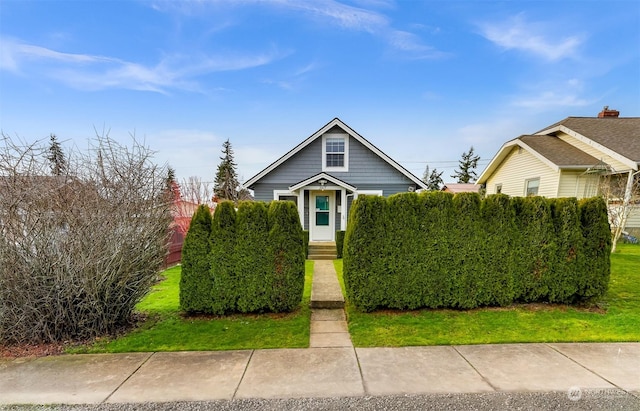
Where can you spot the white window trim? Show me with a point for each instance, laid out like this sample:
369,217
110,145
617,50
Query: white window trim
498,188
367,192
298,194
278,193
346,151
526,185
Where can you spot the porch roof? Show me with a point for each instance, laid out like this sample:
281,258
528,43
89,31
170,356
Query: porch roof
321,176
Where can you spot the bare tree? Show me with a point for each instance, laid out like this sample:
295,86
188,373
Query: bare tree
622,193
77,250
195,190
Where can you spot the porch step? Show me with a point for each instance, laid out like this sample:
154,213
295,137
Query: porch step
322,251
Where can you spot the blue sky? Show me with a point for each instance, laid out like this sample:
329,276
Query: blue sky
422,80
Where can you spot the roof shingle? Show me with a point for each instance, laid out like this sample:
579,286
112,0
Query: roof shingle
559,152
621,135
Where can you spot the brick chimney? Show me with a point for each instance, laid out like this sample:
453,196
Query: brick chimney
606,113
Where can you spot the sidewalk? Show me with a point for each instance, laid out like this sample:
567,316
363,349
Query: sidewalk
609,369
330,368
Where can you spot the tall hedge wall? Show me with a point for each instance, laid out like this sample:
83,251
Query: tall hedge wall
438,250
195,282
286,254
251,260
224,294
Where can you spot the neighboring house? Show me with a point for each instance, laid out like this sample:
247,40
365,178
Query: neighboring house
325,172
181,211
461,188
568,159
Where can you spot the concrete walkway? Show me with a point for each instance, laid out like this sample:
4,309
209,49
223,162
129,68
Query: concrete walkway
328,320
331,367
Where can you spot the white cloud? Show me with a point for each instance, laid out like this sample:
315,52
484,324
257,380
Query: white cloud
518,34
411,43
551,99
552,95
194,152
92,72
349,17
333,12
190,152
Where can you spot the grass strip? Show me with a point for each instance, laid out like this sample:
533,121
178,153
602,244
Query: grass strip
167,329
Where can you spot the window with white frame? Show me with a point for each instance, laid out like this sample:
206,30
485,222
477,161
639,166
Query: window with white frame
368,193
335,152
285,195
499,188
531,187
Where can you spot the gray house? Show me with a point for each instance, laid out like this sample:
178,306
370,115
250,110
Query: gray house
325,172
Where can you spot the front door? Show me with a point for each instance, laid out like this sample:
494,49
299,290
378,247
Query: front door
322,215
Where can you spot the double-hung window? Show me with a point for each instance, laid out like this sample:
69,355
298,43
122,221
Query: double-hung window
335,152
531,187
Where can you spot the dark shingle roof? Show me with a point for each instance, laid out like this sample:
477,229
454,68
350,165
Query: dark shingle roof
558,152
621,135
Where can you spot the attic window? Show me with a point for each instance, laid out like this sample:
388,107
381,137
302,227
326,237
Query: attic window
335,152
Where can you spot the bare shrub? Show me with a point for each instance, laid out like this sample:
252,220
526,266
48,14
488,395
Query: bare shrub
78,249
621,191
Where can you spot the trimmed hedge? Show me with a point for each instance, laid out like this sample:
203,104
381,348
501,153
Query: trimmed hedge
286,251
597,248
252,261
305,239
249,260
195,282
225,291
435,250
339,243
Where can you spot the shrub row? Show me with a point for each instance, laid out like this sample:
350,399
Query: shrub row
249,260
434,250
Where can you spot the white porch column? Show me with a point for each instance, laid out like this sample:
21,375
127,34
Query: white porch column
343,214
301,206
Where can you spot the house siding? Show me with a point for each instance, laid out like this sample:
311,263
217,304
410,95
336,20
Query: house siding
577,184
365,168
633,221
519,166
617,165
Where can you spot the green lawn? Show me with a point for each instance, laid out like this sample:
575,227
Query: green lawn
166,329
617,319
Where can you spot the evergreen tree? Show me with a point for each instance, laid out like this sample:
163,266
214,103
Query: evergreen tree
173,188
425,175
58,162
467,167
225,186
433,179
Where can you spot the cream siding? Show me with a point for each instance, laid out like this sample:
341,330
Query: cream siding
518,167
577,184
617,165
633,221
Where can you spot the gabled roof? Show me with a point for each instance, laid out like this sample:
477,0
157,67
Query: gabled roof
617,137
461,188
559,152
333,123
320,176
